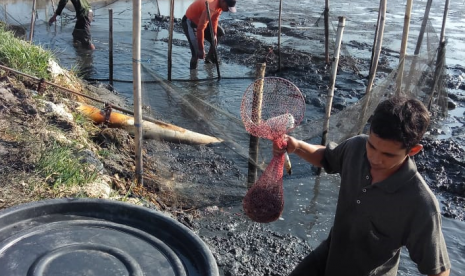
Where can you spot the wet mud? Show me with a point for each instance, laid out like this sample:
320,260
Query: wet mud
245,248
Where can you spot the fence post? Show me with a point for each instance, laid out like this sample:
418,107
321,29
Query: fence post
33,20
253,143
110,46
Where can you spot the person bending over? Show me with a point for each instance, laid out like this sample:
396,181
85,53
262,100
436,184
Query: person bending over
84,16
383,204
196,27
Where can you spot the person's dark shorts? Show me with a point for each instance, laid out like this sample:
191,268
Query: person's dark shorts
81,31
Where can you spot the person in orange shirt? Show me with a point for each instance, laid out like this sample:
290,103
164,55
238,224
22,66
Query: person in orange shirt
196,27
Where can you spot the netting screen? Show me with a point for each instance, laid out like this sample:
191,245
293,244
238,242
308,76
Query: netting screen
196,100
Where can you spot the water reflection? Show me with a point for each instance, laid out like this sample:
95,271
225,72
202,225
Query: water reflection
84,60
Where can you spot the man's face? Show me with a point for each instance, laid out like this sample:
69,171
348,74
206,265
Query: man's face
385,156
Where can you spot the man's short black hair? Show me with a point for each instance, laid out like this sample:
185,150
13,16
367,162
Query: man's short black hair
401,119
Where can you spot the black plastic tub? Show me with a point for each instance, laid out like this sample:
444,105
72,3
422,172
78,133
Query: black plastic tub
95,237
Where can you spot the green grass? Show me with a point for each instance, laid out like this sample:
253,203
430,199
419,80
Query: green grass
85,122
60,166
22,56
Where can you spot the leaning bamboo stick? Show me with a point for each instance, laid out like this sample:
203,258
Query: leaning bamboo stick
418,46
256,117
374,62
440,56
329,98
403,47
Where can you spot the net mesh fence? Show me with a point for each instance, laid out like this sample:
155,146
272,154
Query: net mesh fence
423,72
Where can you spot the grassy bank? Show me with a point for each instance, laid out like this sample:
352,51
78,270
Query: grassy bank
22,56
47,148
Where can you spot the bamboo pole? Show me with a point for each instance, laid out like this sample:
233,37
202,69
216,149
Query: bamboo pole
403,47
256,117
374,62
136,67
170,40
279,34
212,39
33,21
329,99
158,8
440,56
423,27
110,46
444,19
418,46
327,32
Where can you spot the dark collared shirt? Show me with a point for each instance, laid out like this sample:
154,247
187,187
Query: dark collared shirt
374,221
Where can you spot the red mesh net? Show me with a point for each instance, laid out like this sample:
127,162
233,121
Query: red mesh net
271,107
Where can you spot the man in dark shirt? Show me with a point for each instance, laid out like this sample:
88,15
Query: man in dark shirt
384,203
81,31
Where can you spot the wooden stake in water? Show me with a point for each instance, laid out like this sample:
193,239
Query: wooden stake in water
418,46
110,46
329,99
136,44
33,20
374,62
327,32
170,40
440,57
403,47
279,34
423,27
253,143
158,8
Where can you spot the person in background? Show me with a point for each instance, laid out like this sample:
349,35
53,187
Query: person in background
84,18
196,27
384,203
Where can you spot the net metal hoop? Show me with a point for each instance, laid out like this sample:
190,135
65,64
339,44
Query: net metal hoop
278,109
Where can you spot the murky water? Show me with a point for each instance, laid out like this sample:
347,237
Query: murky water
212,107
